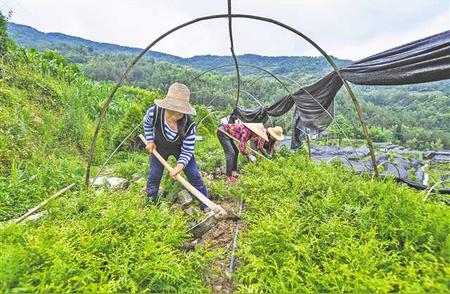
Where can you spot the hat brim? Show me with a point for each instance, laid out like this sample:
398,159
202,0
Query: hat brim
169,105
278,138
258,129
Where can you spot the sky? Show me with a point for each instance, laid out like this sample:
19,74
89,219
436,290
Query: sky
350,29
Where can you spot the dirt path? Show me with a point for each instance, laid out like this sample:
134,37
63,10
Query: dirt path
220,238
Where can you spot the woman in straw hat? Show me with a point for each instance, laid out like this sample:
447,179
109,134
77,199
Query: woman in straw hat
169,128
243,133
267,148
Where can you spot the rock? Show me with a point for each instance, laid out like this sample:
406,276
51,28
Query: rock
111,182
190,211
37,216
184,198
118,183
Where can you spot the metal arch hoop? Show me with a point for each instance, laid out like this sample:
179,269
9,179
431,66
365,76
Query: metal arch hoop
431,190
244,65
217,16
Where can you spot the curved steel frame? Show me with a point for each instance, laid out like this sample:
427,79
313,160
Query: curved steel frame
218,16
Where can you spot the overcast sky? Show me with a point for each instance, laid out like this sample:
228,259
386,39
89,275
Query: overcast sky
350,29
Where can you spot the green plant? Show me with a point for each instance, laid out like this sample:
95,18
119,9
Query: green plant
317,228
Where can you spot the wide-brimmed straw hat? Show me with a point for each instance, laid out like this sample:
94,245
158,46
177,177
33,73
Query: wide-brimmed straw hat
276,132
177,99
258,129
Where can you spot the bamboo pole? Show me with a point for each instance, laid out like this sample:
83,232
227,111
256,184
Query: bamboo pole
43,203
233,54
308,145
363,124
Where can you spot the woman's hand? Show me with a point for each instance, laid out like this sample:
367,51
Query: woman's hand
150,147
177,170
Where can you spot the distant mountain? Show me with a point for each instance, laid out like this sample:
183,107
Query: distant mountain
32,38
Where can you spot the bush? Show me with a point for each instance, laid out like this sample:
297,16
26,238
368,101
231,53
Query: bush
3,35
103,243
317,228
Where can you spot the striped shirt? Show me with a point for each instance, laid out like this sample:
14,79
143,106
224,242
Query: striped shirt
187,149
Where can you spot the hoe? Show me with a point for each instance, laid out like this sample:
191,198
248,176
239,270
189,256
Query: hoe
217,212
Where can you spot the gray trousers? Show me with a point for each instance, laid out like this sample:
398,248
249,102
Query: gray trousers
230,150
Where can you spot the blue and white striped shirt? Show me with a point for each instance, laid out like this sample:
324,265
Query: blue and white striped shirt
187,148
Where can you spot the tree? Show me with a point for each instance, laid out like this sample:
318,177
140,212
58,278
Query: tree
3,34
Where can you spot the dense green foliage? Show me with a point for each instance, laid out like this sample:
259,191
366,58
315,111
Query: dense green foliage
88,242
48,114
3,34
317,228
101,243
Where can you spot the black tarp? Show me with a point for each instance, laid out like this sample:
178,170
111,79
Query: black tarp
421,61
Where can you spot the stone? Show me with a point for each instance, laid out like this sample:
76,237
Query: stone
190,211
36,216
111,182
117,183
184,198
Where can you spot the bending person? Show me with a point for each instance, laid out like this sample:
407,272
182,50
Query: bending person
243,133
169,128
267,148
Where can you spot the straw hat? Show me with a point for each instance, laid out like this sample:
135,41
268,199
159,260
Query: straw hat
177,99
258,129
276,132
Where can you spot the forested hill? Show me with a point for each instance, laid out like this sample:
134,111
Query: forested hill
416,116
32,38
